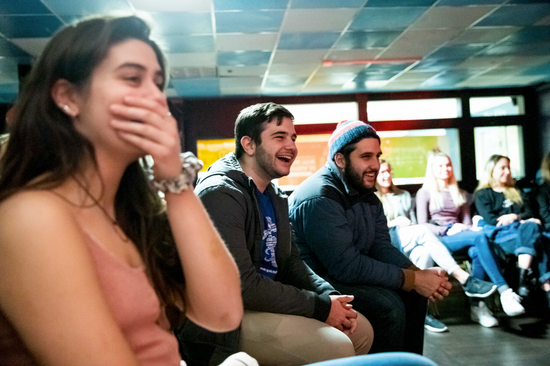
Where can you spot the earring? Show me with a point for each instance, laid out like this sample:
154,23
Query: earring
67,109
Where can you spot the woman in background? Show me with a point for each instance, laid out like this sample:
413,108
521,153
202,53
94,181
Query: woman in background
419,243
509,222
441,206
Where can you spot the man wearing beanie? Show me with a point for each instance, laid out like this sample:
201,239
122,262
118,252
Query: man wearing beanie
292,316
342,233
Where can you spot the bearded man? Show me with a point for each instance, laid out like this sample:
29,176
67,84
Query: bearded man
342,233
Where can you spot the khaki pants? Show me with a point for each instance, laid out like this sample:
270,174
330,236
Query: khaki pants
288,340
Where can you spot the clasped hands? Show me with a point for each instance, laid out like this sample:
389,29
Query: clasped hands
432,283
342,316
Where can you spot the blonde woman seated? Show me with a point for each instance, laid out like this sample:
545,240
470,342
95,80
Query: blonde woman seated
509,222
417,241
441,206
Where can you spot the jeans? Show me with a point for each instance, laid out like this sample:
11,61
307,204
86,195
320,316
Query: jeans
487,259
397,316
383,359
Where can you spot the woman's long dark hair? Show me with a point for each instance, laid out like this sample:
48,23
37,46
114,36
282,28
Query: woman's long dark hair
45,149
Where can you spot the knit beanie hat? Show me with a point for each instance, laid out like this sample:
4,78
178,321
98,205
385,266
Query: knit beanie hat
346,132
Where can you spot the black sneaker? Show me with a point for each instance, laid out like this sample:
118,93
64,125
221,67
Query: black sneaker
434,325
474,287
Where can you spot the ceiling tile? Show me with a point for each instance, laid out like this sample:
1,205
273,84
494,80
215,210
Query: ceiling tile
191,59
318,40
325,89
483,81
187,43
516,15
527,61
281,90
245,58
484,34
250,5
249,21
539,70
451,17
7,49
23,7
353,55
483,61
302,70
241,90
457,51
86,7
419,76
340,69
395,3
468,2
360,39
33,46
317,20
235,82
192,72
311,4
536,49
182,23
28,26
416,43
276,81
299,56
246,42
403,85
242,70
436,65
197,87
336,79
529,35
386,18
158,6
544,21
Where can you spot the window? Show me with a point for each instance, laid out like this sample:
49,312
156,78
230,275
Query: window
414,109
502,140
497,106
323,112
407,152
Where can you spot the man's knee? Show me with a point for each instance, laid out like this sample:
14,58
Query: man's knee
278,339
363,337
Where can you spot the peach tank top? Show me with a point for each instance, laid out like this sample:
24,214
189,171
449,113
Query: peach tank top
134,304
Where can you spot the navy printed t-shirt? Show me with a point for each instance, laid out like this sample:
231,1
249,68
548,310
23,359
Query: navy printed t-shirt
268,264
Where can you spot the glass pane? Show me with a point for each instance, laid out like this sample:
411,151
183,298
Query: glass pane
323,112
497,106
208,151
407,152
502,140
414,109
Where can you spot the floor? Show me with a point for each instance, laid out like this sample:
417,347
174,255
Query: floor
521,341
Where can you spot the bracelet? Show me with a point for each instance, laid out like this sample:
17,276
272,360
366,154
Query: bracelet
190,165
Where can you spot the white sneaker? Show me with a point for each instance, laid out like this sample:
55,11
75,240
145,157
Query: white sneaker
482,314
510,302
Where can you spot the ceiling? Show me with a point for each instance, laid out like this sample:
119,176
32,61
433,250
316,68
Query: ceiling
277,47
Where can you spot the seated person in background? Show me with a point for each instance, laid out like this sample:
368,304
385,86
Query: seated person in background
442,207
509,222
419,243
292,316
91,260
341,230
543,194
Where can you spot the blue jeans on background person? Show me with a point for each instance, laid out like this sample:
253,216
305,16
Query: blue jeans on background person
381,359
486,257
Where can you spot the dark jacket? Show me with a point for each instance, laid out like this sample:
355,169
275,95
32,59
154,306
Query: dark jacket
491,205
344,235
543,200
228,195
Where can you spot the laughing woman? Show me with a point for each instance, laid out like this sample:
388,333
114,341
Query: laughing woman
510,223
441,206
91,261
